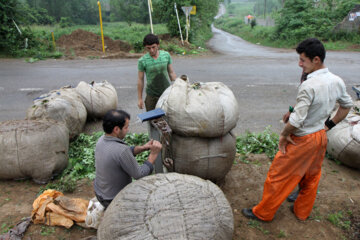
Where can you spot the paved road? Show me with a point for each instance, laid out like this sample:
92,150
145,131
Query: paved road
264,80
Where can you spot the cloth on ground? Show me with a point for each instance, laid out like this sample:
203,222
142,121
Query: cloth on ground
54,209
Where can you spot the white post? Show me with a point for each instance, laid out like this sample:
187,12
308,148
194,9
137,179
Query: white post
177,16
187,13
151,26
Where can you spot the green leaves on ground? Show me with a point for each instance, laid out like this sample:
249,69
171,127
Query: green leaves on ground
264,142
340,220
82,160
137,139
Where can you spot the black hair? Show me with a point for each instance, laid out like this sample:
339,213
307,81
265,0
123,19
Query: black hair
150,39
114,118
312,47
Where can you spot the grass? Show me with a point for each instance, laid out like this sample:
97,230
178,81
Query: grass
133,35
256,224
113,30
340,220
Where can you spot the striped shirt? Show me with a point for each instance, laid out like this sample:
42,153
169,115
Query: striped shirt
316,100
115,166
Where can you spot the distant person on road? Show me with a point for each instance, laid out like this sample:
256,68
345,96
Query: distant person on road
302,142
115,161
157,66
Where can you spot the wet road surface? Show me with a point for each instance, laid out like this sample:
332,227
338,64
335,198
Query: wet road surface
264,80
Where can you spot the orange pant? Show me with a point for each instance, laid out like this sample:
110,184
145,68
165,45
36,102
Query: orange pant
300,164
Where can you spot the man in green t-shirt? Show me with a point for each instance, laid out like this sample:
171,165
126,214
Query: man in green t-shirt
156,65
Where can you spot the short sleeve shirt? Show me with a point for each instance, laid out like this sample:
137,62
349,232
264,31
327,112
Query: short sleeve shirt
156,72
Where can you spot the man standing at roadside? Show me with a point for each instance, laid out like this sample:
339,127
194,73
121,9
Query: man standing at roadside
302,143
115,161
157,66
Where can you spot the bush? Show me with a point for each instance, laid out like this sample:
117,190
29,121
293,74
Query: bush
65,22
138,46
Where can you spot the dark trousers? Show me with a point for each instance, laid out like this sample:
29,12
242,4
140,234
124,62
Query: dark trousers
103,202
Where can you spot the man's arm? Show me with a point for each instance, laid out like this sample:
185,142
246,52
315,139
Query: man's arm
339,116
171,72
155,149
140,89
145,147
132,167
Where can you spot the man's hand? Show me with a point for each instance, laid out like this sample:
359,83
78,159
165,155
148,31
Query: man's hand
326,128
284,141
155,147
147,145
286,117
140,104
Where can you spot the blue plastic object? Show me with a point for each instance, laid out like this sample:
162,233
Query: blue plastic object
146,116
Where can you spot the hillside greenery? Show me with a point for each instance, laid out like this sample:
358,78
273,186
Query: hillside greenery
295,21
36,19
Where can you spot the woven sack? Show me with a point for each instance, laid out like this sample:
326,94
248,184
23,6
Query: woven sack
199,110
344,139
208,158
98,98
63,105
168,206
35,149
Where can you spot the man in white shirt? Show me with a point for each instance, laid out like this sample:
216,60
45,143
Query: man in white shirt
302,143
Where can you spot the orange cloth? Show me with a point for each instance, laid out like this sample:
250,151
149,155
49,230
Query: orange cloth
54,209
301,164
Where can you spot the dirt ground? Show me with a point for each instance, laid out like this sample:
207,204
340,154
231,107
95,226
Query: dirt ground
81,44
338,193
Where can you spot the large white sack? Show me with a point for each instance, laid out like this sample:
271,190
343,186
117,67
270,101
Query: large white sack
98,98
344,139
35,149
208,158
199,110
168,207
63,105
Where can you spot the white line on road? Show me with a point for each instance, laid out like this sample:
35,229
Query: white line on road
273,84
30,89
124,87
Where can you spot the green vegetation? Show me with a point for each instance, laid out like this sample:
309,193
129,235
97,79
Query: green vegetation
133,34
200,24
281,234
339,220
47,231
82,160
5,228
36,19
295,21
264,142
256,224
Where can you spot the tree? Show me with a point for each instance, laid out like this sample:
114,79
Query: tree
129,11
80,12
206,10
10,38
300,19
